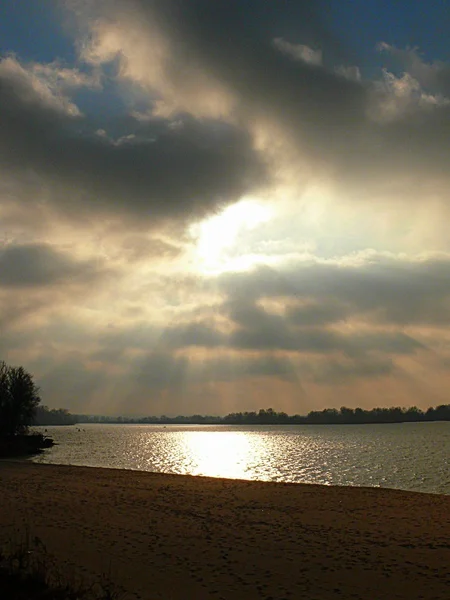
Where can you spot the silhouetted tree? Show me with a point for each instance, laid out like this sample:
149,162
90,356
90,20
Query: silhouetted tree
19,399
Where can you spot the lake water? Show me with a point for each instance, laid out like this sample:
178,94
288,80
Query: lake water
409,456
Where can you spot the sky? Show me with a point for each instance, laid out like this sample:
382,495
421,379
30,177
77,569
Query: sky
208,207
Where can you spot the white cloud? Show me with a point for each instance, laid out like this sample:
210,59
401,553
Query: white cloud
146,57
63,79
432,76
353,73
299,51
42,84
398,97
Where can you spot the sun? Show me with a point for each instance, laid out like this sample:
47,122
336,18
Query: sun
221,238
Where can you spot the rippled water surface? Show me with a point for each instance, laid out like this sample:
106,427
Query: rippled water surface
410,456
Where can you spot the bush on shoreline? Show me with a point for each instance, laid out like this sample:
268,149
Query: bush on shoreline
23,444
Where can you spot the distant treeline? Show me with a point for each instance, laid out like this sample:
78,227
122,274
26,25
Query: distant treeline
53,416
269,416
163,420
343,415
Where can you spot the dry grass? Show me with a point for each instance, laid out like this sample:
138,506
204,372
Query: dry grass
29,572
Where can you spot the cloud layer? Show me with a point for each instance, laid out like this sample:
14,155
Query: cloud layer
112,165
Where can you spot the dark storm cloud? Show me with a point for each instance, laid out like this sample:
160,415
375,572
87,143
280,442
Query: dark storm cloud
234,41
177,172
383,289
316,315
182,172
72,379
335,372
253,328
138,336
136,248
258,366
318,305
357,132
193,334
37,265
144,337
14,309
264,331
159,370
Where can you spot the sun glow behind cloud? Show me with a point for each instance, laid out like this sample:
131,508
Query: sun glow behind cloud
221,239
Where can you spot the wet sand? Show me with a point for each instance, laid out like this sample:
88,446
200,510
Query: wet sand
179,537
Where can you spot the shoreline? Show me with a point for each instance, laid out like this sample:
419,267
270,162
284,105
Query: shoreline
30,460
178,536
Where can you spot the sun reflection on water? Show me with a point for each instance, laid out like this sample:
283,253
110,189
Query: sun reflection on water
217,454
409,456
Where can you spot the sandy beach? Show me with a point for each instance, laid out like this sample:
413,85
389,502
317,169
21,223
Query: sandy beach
179,537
